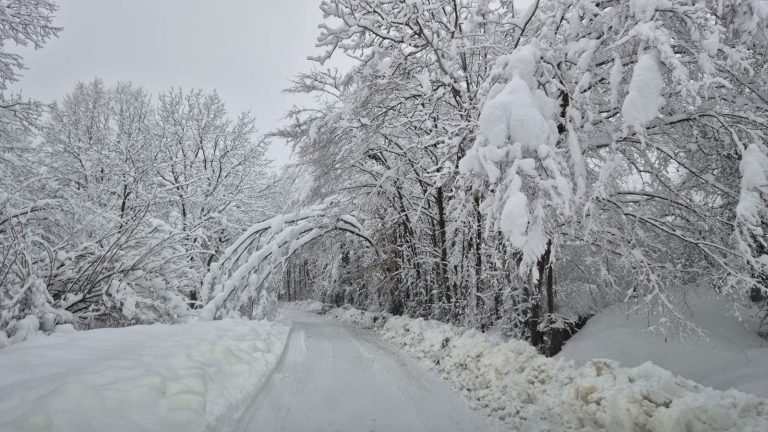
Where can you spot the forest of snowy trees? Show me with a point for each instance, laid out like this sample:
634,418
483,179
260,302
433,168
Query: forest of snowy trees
114,202
523,167
517,165
115,210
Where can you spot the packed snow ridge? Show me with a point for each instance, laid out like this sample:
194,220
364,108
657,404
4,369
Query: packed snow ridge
196,376
510,380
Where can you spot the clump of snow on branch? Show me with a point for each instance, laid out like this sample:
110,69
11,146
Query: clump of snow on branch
516,152
644,100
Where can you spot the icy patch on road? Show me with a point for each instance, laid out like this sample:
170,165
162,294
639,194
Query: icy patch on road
511,381
189,377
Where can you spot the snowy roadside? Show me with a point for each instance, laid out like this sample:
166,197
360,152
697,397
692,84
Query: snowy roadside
730,355
186,377
510,381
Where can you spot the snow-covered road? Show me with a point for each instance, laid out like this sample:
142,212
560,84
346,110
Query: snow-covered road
337,378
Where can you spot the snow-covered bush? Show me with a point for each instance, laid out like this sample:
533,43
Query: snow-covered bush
94,273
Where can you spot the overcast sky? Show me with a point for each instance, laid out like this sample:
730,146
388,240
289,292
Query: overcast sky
245,49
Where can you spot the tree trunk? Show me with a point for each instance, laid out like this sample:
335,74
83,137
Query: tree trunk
545,280
448,296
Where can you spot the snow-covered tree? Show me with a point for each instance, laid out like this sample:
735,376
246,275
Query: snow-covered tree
210,168
484,142
116,215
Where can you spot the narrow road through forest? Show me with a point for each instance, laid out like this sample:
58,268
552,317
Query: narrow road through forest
337,378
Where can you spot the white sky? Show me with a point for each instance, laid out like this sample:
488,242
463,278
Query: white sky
247,50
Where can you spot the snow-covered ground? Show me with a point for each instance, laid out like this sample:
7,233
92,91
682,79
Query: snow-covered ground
329,375
337,377
509,380
189,377
306,306
731,355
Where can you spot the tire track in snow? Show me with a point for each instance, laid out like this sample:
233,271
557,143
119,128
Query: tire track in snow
336,378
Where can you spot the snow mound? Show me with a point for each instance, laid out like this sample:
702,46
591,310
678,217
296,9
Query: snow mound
731,355
360,318
312,306
185,377
346,313
513,382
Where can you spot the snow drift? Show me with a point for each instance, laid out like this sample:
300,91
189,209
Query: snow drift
312,306
729,355
513,382
185,377
360,318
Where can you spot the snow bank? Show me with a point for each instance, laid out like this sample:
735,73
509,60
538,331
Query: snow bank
731,355
346,313
186,377
313,306
509,380
360,318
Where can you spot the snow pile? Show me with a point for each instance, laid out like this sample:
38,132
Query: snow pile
511,381
186,377
732,355
20,330
358,317
312,306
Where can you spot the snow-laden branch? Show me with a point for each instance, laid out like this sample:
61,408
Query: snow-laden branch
242,271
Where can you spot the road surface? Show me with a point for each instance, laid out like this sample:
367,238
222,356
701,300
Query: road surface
337,378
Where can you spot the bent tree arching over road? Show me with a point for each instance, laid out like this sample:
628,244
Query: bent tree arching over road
239,279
